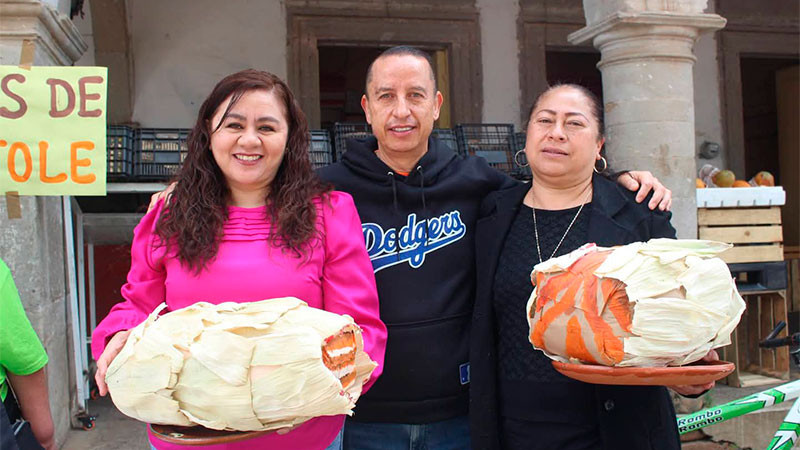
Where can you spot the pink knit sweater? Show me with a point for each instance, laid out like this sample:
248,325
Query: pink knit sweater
337,276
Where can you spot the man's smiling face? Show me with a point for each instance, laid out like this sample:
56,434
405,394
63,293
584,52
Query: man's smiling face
401,104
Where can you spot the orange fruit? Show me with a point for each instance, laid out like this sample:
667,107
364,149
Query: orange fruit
699,183
741,183
764,178
724,178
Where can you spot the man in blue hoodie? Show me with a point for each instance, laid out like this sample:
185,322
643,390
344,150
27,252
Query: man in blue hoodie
418,203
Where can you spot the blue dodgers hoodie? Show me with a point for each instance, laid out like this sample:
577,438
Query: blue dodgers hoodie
419,232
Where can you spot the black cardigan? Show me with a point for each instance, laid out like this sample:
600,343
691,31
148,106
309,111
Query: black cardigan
630,417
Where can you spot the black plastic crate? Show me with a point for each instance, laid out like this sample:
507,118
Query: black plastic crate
522,173
159,152
320,151
448,137
760,276
344,131
119,152
493,142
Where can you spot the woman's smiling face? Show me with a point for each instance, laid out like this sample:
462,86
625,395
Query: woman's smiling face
563,138
248,144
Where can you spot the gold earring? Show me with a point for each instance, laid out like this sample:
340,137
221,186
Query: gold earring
605,165
516,158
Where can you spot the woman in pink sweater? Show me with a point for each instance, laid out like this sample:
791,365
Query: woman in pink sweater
248,220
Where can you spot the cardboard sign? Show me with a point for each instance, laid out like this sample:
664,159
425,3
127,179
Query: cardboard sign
53,130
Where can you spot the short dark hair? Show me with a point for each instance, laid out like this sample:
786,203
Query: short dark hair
402,50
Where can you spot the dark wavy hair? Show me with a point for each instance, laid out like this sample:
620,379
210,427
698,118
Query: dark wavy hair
197,207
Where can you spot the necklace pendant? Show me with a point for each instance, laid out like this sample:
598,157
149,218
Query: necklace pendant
536,230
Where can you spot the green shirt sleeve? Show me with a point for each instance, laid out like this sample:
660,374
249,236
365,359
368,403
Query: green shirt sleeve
21,352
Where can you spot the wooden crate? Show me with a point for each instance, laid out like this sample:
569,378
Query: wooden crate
756,233
764,310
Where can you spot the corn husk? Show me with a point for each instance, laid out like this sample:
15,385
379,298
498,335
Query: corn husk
664,302
240,366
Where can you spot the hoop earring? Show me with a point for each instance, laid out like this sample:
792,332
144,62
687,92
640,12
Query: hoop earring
516,160
605,165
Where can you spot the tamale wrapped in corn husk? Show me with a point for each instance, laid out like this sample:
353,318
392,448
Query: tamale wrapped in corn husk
240,366
665,302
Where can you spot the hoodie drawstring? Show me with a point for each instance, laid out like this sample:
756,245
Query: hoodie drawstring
390,174
424,206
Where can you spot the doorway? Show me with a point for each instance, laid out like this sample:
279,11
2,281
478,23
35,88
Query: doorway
770,123
580,68
342,74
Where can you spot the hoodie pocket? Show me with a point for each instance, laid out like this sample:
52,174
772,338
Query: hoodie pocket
423,360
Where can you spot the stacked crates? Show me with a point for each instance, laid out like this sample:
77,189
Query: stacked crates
750,219
344,131
320,151
448,137
119,157
156,154
159,152
493,142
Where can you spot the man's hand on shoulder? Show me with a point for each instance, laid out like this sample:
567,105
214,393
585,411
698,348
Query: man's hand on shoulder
644,182
159,195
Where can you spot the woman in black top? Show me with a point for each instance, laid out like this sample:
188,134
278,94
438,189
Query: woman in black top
518,401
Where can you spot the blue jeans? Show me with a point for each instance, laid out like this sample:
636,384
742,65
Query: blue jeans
337,443
451,434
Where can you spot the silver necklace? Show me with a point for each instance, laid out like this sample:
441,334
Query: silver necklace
536,229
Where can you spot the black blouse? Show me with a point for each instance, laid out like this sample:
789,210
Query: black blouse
534,398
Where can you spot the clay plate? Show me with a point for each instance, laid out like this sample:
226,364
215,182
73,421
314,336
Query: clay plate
199,435
696,373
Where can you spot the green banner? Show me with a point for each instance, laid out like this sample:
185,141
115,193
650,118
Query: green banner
53,130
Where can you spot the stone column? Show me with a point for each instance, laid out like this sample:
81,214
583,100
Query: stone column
33,246
648,91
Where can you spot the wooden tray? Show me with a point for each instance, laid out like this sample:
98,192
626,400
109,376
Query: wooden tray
200,435
699,373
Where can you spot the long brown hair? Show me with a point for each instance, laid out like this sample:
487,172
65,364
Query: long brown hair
197,208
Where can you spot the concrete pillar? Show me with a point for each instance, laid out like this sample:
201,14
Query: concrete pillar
648,89
500,59
33,246
708,97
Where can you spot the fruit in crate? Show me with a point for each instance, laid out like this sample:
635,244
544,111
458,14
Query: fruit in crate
699,183
741,183
764,178
724,178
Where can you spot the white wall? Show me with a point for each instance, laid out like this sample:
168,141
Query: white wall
707,93
176,62
181,48
500,58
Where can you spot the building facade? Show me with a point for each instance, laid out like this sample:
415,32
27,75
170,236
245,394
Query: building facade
737,67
